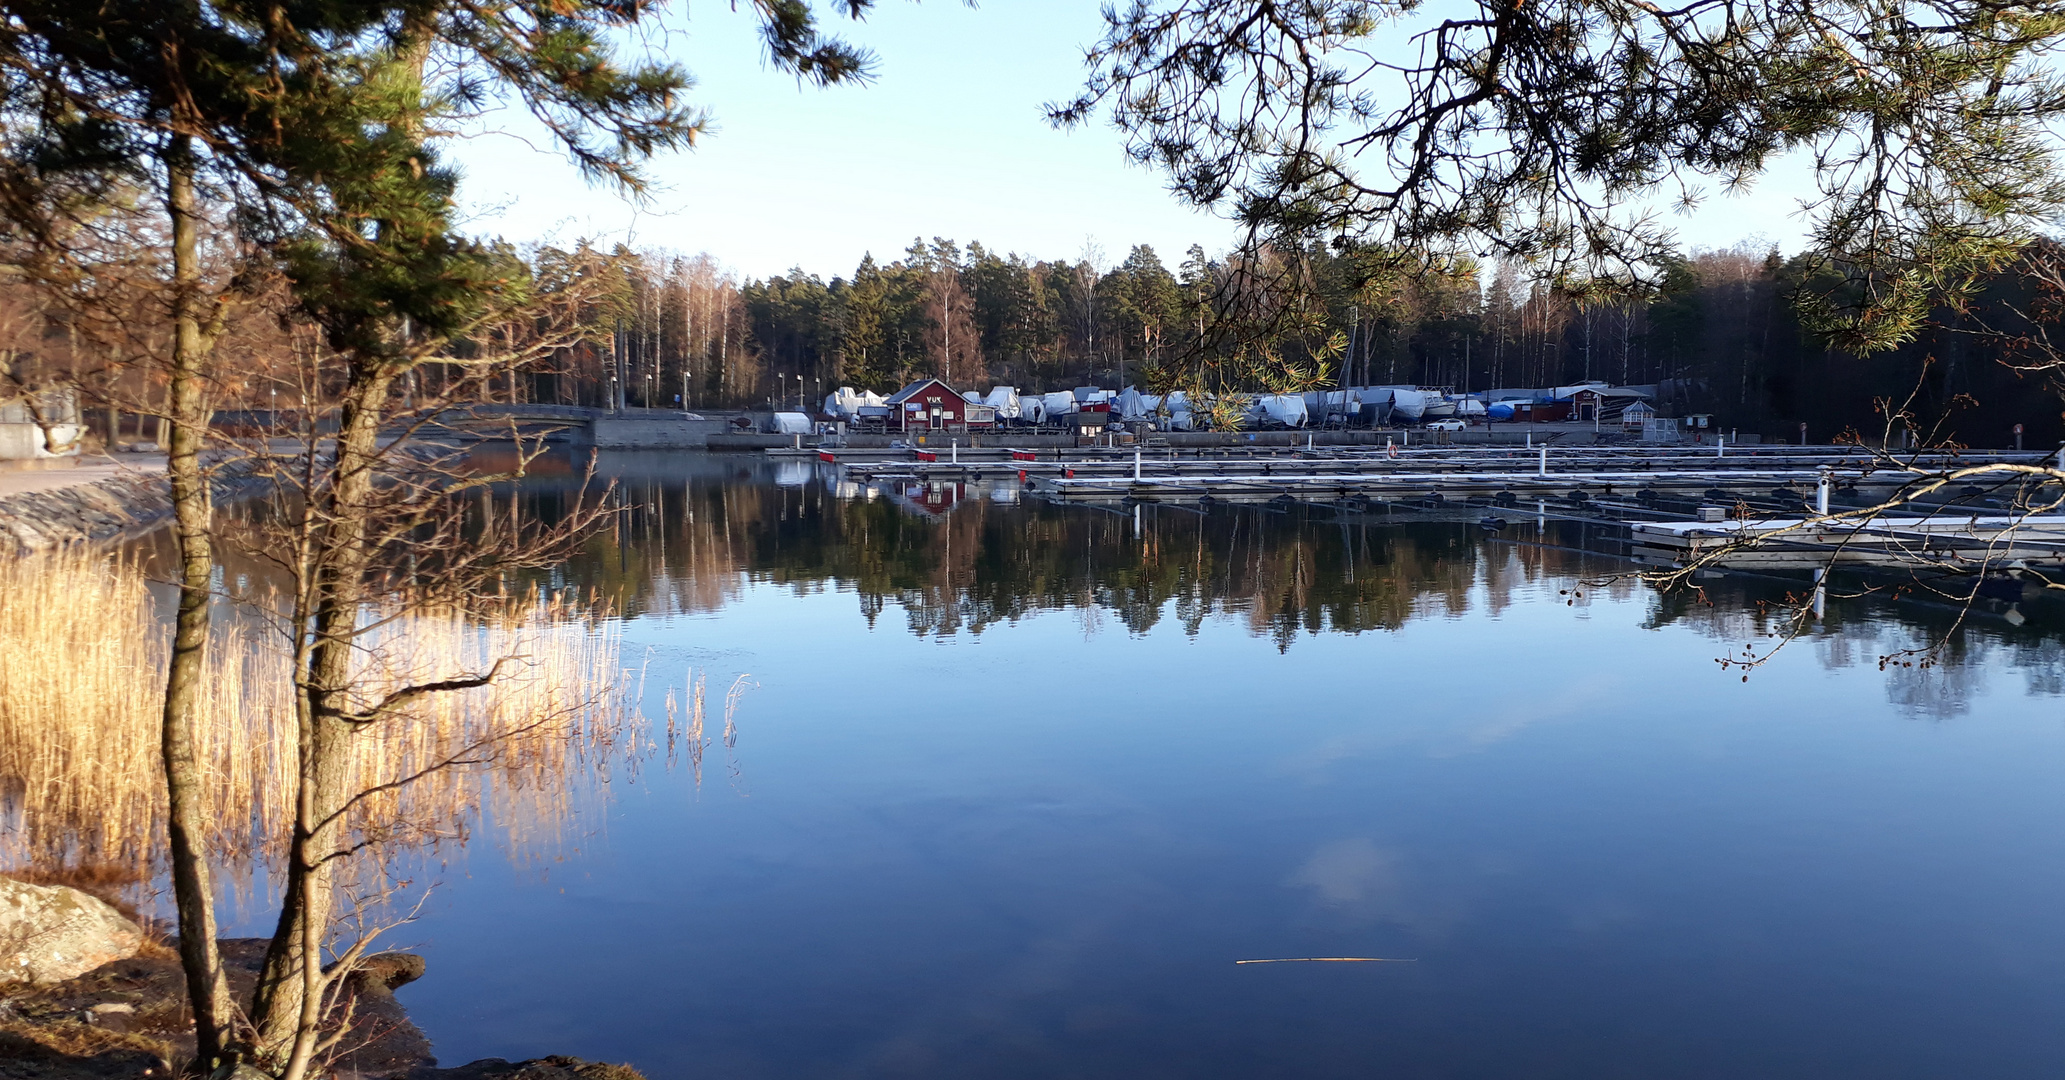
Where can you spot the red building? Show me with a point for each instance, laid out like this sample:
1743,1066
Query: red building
931,405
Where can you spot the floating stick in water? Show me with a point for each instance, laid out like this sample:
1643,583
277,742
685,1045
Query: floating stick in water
1333,960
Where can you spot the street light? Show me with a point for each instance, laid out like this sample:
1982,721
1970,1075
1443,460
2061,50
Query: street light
799,393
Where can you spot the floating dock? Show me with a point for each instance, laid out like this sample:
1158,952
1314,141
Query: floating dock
1948,540
1765,492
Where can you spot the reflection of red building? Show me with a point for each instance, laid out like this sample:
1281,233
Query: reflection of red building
933,499
931,405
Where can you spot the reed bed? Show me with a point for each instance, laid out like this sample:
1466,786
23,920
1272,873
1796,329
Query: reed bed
83,649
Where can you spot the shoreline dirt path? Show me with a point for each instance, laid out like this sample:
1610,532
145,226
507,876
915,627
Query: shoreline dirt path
89,469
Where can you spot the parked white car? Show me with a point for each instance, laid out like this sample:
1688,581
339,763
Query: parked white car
1446,425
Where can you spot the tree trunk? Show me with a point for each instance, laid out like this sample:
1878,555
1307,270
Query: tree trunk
192,885
287,1007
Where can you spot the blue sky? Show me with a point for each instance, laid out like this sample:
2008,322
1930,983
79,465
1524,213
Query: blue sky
948,142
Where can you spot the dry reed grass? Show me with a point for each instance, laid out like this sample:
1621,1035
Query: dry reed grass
82,655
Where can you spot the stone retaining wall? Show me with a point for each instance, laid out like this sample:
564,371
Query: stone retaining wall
106,509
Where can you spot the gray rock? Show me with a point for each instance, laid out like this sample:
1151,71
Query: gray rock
548,1068
391,970
50,933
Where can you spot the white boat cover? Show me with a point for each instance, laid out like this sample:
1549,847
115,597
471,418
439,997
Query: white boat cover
1134,405
1285,409
971,397
1032,409
789,423
1409,404
1060,404
846,402
1004,399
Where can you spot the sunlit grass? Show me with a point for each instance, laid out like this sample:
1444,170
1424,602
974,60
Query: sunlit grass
82,659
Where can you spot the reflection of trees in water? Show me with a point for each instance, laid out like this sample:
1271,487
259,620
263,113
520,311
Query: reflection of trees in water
1886,630
686,545
695,530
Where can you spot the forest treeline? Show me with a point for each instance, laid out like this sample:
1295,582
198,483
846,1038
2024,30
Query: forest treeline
1720,335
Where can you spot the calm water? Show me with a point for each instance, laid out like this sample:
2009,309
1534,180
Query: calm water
1018,784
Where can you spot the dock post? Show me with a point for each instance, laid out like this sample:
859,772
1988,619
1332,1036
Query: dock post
1543,468
953,448
1136,464
1821,486
1720,444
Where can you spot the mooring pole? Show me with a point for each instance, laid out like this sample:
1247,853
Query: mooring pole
1720,444
953,449
1821,487
1136,467
1543,468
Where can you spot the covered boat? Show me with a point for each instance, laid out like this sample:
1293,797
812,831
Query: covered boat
789,423
1004,399
1409,404
1285,409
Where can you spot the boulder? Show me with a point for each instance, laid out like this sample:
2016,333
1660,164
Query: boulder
547,1068
385,1043
390,970
51,933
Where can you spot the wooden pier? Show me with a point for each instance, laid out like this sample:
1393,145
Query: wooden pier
1673,500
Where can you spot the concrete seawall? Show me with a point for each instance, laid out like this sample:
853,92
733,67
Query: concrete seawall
652,433
105,502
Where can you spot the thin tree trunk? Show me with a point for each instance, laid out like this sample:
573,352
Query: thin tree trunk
287,1006
193,888
286,1009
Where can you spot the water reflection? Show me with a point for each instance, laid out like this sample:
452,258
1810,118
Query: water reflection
962,557
1026,780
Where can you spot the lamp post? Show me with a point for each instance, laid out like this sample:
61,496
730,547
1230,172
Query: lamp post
799,393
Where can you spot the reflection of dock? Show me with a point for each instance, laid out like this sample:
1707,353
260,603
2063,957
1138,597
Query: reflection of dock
1328,473
1950,540
1675,505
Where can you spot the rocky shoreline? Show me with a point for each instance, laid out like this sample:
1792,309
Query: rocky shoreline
126,1018
126,504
